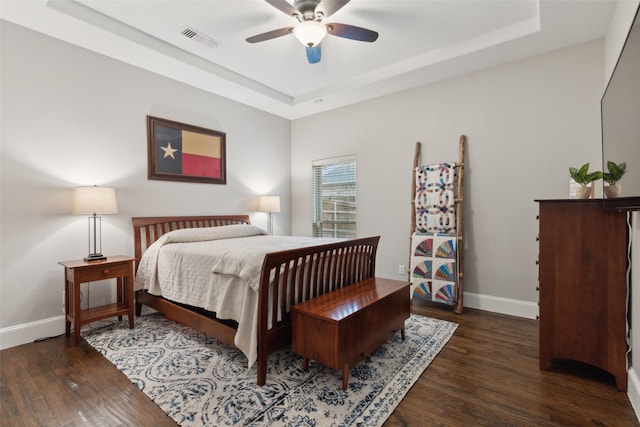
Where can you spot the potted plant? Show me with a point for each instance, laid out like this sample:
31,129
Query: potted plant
584,178
612,177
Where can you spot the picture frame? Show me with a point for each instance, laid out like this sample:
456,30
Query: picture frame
182,152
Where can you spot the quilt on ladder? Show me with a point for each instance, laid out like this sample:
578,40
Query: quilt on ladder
435,198
434,269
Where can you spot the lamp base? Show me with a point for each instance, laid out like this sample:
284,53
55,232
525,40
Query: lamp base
94,257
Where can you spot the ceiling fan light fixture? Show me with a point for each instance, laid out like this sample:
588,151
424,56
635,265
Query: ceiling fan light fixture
310,33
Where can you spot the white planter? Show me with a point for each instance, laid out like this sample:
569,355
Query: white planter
584,192
612,191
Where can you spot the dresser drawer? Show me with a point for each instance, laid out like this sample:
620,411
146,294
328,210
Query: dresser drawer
100,272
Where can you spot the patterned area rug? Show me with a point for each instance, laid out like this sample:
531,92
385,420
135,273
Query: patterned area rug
199,381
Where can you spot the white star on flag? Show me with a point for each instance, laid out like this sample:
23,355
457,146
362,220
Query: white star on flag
168,151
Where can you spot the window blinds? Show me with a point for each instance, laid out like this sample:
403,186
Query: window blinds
334,197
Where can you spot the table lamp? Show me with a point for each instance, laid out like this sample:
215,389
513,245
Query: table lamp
269,204
95,200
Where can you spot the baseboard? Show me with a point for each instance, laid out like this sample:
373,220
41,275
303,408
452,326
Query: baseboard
29,332
633,391
501,305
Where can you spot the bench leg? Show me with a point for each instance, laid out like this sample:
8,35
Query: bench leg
345,376
402,333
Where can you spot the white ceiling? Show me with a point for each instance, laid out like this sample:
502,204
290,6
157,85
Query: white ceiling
421,41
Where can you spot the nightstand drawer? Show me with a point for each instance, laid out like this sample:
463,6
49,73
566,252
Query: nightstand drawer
100,272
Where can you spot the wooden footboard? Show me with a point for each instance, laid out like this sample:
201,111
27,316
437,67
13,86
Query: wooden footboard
301,274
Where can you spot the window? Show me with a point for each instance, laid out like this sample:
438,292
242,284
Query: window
334,197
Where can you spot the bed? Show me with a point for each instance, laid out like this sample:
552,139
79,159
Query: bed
258,320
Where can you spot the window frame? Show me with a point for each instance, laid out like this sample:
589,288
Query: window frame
344,221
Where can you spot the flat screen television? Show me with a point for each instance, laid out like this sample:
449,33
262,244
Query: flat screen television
620,109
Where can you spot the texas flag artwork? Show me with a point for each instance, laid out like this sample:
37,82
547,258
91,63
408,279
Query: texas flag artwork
186,153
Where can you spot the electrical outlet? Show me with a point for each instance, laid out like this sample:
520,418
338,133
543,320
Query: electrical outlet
402,269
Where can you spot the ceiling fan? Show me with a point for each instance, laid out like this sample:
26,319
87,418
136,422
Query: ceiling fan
310,30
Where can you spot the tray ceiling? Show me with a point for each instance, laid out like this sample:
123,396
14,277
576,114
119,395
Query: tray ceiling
420,42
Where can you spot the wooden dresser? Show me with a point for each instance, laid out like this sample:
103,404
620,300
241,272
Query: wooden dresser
583,287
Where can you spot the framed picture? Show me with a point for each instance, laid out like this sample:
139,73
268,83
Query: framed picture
182,152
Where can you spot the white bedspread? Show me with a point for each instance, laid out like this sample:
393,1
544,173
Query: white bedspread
217,269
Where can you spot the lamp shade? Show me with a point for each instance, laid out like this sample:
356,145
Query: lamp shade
94,200
269,204
310,33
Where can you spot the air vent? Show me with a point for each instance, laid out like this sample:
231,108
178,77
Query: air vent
197,36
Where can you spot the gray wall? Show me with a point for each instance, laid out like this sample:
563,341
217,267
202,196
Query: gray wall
72,117
526,123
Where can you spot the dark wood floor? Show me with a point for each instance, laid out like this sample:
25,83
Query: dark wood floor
486,375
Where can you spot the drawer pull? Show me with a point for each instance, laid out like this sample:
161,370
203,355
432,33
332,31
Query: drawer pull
106,271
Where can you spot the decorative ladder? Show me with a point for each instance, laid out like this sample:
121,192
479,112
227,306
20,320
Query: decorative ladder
458,205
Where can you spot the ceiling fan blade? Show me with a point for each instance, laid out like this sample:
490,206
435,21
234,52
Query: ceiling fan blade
283,6
314,54
270,35
329,7
352,32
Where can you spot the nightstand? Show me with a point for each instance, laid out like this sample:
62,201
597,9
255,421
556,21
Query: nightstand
78,271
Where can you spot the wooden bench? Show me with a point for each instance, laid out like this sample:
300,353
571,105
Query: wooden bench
340,328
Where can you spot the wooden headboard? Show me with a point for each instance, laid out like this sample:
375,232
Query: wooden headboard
147,230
